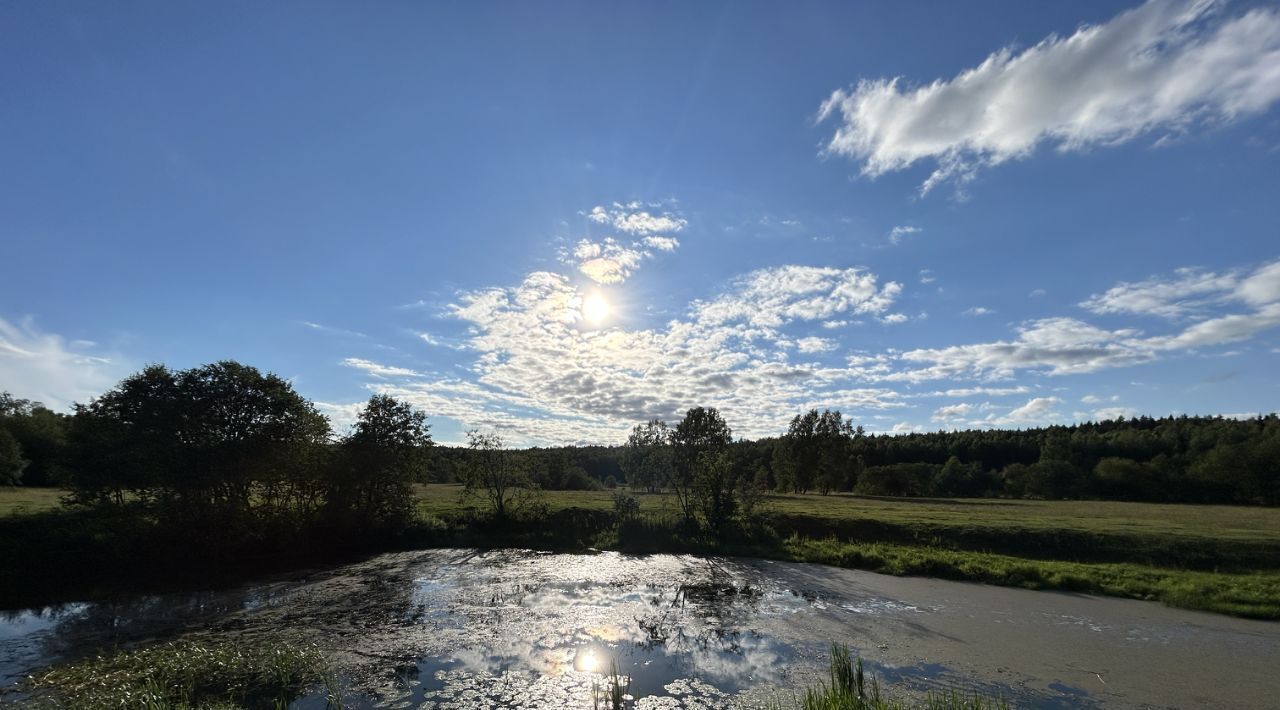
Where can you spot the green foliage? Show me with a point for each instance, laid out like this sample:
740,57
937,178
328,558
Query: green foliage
849,689
12,464
494,473
702,431
372,479
714,494
646,459
899,479
184,675
625,507
1255,595
41,435
201,444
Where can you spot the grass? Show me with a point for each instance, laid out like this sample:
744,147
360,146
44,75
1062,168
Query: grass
850,689
19,501
186,675
1224,559
1253,595
1218,522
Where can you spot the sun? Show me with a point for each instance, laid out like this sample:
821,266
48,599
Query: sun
595,308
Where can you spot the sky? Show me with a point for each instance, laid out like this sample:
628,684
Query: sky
557,220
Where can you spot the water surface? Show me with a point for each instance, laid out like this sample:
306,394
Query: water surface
460,628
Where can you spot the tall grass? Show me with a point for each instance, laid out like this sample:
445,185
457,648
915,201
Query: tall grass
849,689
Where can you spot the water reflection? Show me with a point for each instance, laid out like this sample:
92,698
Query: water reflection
452,628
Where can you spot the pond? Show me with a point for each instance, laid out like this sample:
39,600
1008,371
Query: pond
463,628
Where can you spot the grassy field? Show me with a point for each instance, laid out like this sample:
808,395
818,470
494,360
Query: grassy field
1216,558
15,501
1195,522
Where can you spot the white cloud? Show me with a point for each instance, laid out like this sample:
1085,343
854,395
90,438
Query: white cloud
897,233
1107,413
44,367
893,318
1038,410
974,391
378,370
661,243
927,277
341,416
629,218
953,412
540,378
770,298
607,261
1189,291
1091,399
611,260
1165,65
815,345
332,331
1058,345
1062,346
977,311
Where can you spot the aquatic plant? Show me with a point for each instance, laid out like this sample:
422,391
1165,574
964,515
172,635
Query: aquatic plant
615,693
850,689
187,675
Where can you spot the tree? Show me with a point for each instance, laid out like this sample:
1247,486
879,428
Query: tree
215,440
646,458
714,486
11,461
380,459
802,450
833,436
42,433
702,431
492,473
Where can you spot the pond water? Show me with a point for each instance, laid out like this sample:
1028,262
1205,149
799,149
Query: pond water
463,629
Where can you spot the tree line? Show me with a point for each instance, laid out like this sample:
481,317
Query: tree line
221,444
1172,459
225,440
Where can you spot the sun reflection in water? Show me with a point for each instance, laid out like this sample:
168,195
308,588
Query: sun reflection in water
588,661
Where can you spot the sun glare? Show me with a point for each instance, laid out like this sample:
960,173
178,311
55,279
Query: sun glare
595,309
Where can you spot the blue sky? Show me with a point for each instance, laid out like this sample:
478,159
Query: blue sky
927,215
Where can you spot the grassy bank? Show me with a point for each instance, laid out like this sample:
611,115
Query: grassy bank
1214,558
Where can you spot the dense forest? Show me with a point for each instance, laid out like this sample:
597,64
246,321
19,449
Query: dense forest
209,440
1171,459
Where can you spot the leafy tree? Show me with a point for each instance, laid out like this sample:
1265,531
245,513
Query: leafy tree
834,435
961,479
702,431
203,442
11,462
714,485
494,474
646,458
802,450
42,435
381,458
